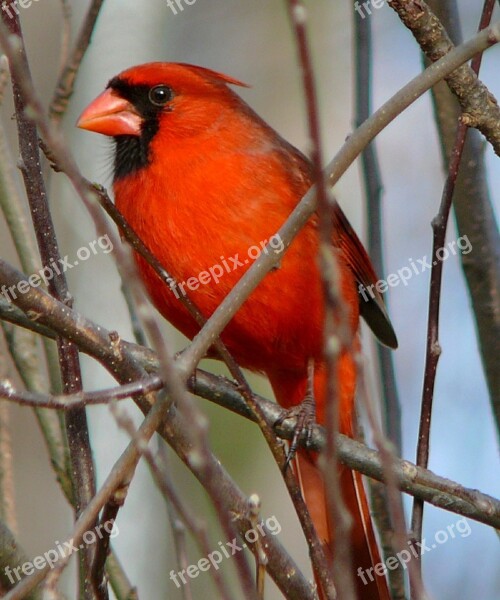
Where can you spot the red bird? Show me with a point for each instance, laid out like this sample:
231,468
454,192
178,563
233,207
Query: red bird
202,179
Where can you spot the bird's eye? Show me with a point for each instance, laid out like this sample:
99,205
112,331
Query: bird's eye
160,95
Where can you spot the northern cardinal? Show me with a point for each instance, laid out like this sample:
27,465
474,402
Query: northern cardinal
202,179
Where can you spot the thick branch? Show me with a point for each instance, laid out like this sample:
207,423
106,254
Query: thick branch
411,479
479,107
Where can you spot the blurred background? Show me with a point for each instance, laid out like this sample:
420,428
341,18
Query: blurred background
252,41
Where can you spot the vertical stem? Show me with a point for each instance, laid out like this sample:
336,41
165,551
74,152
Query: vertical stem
373,191
475,218
76,421
373,194
7,503
433,352
336,338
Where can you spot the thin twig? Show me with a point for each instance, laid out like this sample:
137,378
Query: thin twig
160,470
475,219
336,335
160,473
433,350
152,383
66,82
373,195
391,406
65,33
394,498
108,515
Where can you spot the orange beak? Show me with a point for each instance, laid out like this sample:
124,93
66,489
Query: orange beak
110,115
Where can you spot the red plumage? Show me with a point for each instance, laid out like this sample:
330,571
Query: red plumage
202,178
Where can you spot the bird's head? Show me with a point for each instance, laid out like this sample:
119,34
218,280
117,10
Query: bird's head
174,100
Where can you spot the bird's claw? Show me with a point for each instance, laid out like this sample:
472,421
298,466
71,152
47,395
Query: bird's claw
305,415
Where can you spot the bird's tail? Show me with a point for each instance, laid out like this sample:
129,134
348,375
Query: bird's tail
289,391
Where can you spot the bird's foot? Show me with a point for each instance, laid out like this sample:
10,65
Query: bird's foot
305,415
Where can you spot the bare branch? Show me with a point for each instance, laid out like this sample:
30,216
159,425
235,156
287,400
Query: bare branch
66,83
475,218
391,413
373,195
479,107
337,337
150,384
411,479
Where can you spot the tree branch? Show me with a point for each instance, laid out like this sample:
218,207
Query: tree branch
479,107
66,82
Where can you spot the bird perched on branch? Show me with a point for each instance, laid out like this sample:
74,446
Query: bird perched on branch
203,181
